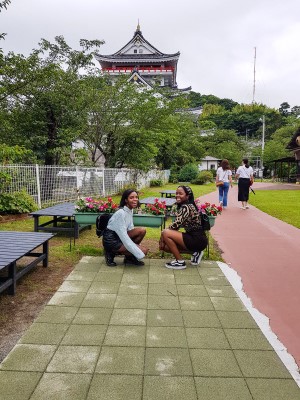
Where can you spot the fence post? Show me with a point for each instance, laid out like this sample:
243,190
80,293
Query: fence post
103,182
38,185
77,181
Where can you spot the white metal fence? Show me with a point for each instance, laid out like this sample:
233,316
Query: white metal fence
50,185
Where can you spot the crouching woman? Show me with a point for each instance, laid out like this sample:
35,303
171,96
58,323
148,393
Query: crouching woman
193,240
121,237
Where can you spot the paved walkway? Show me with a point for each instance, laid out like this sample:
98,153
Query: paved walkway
265,253
145,333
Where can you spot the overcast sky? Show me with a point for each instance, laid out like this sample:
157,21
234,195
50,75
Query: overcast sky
216,39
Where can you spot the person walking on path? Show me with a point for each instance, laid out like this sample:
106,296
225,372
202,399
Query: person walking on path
224,175
193,240
244,174
121,237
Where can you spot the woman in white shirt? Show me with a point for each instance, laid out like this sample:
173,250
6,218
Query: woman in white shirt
244,174
121,237
224,174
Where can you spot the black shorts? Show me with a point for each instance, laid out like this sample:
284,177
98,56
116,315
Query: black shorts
195,241
111,241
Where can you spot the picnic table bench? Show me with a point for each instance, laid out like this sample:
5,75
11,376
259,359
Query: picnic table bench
13,247
60,213
168,193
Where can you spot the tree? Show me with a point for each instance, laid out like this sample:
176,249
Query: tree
276,147
127,124
222,144
41,97
15,154
284,109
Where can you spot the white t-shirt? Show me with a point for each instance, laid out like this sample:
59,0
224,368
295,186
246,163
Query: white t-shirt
223,175
244,172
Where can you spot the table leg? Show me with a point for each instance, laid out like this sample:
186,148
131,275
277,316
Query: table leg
36,223
12,274
46,252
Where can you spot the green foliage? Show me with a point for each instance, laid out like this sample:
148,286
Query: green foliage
44,121
156,182
128,186
276,147
196,99
222,143
188,173
17,203
203,177
5,180
15,154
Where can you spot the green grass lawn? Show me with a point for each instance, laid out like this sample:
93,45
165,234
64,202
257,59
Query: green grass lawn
281,204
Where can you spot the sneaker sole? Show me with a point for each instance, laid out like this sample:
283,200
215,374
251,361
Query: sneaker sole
175,267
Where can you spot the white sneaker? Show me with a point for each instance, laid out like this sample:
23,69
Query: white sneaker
247,207
176,264
196,258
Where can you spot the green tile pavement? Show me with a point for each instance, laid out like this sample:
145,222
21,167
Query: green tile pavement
145,333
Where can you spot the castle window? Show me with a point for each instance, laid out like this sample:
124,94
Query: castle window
140,50
135,51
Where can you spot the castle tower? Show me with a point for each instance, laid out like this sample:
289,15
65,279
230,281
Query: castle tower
141,61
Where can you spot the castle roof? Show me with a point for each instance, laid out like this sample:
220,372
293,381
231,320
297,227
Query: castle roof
138,49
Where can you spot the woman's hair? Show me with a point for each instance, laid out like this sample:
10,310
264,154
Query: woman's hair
225,164
188,191
246,162
125,196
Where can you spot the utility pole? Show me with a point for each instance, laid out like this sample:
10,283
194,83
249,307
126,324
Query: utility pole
263,143
254,72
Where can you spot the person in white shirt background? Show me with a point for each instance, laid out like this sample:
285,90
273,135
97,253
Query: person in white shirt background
224,174
244,174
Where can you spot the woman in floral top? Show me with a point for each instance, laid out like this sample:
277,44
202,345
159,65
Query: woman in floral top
193,240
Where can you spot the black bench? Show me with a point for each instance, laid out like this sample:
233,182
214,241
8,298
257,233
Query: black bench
13,247
61,214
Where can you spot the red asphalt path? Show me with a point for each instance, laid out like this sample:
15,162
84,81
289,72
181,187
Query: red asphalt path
265,252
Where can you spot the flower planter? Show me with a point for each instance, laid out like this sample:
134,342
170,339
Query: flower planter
212,220
150,221
87,218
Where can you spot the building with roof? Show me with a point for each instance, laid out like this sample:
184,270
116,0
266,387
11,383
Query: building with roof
209,163
142,62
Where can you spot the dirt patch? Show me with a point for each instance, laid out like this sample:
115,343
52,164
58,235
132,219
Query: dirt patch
13,217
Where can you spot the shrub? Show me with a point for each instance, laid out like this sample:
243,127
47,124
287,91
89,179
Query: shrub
156,182
126,187
17,203
203,177
188,173
173,174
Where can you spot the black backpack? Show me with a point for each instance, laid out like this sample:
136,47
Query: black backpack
101,223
